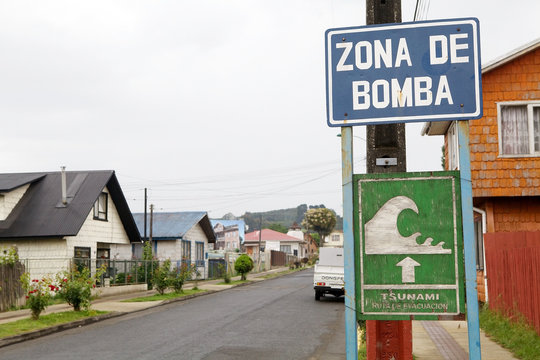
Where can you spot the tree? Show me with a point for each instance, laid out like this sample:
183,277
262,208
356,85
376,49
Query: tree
243,265
320,220
278,227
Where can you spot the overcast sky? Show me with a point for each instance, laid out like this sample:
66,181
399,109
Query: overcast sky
212,105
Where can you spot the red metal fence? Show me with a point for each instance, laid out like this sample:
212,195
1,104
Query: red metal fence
513,273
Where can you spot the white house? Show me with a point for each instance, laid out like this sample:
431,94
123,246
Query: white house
335,239
53,217
274,240
181,237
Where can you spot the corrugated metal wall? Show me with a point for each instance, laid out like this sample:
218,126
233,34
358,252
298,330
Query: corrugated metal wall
513,273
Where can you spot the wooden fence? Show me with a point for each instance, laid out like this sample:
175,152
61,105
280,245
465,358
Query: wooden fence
513,273
278,258
11,291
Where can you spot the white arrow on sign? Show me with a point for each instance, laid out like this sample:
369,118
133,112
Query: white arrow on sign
407,269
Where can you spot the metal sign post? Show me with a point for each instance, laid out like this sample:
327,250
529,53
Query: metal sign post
473,323
351,340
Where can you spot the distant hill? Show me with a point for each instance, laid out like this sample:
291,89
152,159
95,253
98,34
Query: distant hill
285,217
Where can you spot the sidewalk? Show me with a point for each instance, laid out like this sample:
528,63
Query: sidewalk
449,340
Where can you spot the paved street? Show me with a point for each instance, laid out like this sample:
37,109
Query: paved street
275,319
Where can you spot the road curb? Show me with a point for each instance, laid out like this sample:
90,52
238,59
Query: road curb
94,319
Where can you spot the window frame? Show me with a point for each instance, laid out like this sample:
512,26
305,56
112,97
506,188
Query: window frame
530,123
186,245
101,215
479,244
286,246
199,260
82,261
452,153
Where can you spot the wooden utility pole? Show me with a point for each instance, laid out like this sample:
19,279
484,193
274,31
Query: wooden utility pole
385,149
145,207
259,248
151,224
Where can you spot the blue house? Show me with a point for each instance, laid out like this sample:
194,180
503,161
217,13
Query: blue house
180,236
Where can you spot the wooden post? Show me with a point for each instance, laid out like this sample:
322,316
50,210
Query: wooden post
386,339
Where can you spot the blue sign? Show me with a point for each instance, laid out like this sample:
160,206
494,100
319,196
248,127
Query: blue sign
407,72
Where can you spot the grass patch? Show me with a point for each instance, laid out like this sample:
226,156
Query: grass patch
166,296
234,282
362,352
517,336
44,321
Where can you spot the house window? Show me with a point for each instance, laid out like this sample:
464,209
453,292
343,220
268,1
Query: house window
81,257
186,251
285,248
519,128
453,148
335,238
100,207
199,253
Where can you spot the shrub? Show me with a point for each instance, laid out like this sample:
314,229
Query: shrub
179,276
38,293
305,261
76,286
243,265
9,256
161,280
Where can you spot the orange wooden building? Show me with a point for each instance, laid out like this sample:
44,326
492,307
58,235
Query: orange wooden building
505,150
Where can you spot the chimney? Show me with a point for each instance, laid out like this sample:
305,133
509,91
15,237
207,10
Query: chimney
64,186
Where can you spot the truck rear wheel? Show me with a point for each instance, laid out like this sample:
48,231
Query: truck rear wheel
317,296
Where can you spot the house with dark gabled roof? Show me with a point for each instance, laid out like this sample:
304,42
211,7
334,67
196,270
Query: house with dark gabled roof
181,237
53,217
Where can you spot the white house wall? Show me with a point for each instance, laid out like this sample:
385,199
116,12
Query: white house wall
197,234
41,256
168,249
9,200
272,245
97,231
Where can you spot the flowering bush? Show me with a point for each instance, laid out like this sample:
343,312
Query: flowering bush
321,220
9,256
161,279
39,292
76,286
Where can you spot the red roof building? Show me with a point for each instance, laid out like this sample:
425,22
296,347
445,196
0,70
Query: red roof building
274,240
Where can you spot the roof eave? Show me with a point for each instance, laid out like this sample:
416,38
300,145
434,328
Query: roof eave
506,58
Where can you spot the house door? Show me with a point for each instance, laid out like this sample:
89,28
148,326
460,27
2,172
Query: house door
103,258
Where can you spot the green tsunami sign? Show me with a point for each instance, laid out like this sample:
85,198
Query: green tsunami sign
409,245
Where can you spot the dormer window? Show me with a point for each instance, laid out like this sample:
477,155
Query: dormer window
100,207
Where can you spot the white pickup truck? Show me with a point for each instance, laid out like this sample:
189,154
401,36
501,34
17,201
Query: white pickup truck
329,273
